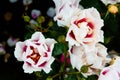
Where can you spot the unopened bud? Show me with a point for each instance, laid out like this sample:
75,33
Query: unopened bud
84,69
113,9
61,38
41,19
26,18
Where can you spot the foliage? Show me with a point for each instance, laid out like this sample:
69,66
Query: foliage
50,29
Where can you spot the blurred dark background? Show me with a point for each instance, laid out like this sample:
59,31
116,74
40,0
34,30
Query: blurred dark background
12,24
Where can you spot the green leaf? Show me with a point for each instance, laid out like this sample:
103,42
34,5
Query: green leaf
111,25
28,35
71,77
55,31
82,79
92,77
107,40
94,3
60,48
37,74
49,78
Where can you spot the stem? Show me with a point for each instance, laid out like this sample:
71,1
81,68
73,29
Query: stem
57,75
106,14
73,72
63,73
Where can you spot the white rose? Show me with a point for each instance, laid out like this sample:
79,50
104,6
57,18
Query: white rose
111,72
36,53
96,58
106,2
65,10
85,28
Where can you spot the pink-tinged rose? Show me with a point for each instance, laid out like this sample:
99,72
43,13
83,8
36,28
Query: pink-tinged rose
65,10
96,58
36,53
106,2
111,72
85,28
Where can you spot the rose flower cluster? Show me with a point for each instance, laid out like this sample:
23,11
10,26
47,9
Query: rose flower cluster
84,36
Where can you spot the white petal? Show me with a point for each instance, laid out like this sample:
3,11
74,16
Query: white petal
47,67
38,36
19,50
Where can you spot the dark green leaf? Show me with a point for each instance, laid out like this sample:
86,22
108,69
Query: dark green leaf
60,48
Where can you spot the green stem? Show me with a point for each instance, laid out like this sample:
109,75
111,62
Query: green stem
73,73
63,73
57,75
106,14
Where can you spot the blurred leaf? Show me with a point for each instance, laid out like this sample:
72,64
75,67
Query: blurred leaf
55,69
71,77
92,77
28,35
94,3
111,25
82,79
40,19
26,18
49,78
55,31
60,48
107,40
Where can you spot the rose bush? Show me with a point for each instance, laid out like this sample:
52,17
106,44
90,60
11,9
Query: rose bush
71,46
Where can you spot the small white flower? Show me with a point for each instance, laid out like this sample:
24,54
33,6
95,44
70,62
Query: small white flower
13,1
12,41
33,22
51,12
35,13
27,2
